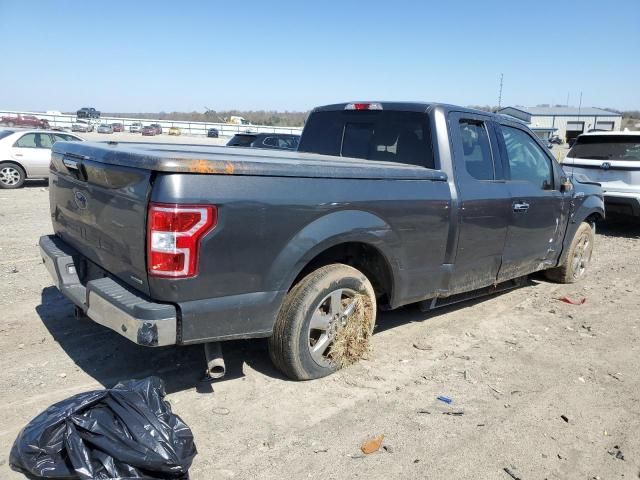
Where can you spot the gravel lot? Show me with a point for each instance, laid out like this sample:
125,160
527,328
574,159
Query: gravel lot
513,364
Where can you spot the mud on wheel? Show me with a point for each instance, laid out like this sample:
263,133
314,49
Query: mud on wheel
313,312
578,257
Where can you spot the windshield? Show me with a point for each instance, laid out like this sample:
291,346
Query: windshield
5,133
392,136
607,147
241,140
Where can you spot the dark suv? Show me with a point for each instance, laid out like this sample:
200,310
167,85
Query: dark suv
88,112
281,141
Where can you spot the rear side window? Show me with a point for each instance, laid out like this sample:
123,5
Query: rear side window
34,140
476,149
607,147
392,136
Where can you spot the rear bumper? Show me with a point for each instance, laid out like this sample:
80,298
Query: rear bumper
106,301
622,203
146,322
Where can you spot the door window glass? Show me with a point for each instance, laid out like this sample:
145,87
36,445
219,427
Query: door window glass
34,140
476,150
61,137
270,141
527,161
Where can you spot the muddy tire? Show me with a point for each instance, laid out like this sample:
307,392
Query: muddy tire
578,258
304,330
12,175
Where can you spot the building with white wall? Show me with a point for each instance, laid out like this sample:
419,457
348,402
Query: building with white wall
566,122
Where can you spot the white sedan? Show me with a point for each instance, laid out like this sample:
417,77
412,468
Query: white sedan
27,154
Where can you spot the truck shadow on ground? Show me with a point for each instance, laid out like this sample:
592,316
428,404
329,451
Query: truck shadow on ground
619,226
109,358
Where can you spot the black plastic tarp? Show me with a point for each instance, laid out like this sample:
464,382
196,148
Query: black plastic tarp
124,432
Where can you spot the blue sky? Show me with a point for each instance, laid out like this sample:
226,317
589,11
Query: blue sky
181,55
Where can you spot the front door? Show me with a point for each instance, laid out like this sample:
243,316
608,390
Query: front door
484,202
538,208
33,152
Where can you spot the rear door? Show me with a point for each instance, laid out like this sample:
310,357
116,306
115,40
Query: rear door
484,202
538,209
33,151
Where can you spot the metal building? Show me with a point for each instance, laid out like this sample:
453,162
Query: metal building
566,122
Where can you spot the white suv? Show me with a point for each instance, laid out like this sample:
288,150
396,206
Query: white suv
27,154
613,160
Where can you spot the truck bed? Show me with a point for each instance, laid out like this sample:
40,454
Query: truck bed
240,161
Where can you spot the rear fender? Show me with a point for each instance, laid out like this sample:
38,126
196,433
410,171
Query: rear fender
330,230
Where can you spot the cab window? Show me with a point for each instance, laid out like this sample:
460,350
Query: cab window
527,161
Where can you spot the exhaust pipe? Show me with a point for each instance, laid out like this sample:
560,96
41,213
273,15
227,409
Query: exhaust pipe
215,361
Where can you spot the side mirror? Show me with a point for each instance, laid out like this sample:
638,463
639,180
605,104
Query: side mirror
566,185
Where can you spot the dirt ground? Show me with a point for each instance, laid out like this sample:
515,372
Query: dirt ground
514,365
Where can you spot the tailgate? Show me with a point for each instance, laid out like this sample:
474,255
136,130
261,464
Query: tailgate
100,209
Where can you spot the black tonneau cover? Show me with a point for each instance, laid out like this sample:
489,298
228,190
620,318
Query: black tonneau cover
239,161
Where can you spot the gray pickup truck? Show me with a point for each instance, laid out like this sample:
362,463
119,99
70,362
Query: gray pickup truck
396,203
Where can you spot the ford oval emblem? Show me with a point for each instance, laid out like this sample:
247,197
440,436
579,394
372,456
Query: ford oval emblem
81,200
605,166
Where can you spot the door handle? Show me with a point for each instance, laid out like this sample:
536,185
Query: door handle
18,155
520,207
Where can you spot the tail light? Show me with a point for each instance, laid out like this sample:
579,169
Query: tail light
174,233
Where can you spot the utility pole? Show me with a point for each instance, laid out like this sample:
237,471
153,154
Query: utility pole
567,99
500,92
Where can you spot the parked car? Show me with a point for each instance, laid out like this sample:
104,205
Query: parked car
88,112
27,154
613,160
104,128
82,126
24,121
174,131
157,127
282,141
117,127
148,130
213,133
135,127
555,139
383,204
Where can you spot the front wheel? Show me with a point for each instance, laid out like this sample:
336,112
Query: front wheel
578,258
11,175
325,322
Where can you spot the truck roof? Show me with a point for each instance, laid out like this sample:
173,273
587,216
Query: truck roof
420,107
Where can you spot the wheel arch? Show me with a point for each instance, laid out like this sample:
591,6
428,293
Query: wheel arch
356,238
14,162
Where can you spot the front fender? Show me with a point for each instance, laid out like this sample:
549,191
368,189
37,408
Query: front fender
330,230
584,206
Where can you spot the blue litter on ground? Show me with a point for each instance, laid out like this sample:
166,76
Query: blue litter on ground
446,400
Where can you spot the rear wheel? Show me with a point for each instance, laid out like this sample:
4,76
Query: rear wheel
318,307
10,124
578,258
11,175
